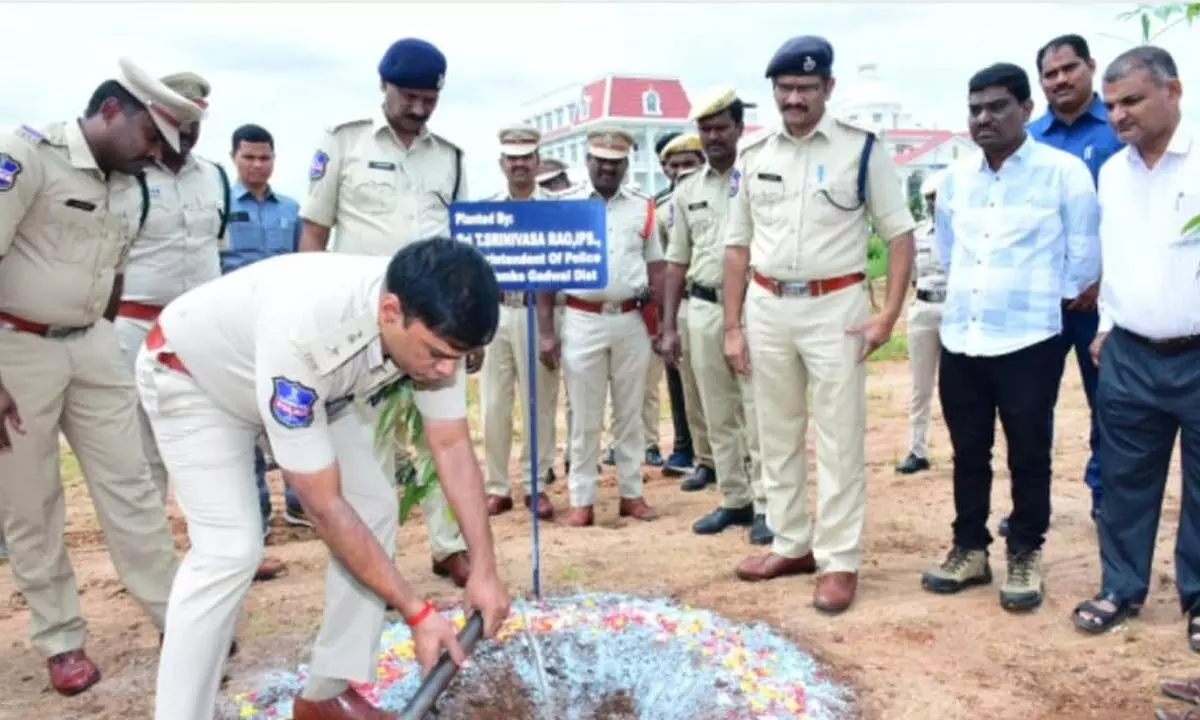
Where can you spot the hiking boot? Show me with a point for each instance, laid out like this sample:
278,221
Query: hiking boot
960,570
1022,589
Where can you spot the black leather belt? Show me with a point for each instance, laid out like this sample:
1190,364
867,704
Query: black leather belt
931,296
702,292
1170,346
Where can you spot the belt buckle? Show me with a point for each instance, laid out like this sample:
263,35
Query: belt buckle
795,288
60,332
610,308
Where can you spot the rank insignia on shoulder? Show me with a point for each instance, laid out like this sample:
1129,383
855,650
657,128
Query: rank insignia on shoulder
320,161
292,403
9,170
735,180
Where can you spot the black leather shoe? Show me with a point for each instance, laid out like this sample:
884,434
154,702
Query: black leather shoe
722,518
700,479
654,456
609,457
912,464
760,534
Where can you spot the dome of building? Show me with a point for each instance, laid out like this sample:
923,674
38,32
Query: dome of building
866,100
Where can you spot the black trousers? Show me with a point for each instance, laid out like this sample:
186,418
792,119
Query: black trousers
1022,387
1144,399
683,435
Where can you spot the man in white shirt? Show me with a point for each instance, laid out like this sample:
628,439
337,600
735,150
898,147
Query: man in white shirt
303,346
1148,346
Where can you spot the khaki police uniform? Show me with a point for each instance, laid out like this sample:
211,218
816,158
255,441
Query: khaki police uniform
247,353
62,246
506,367
605,342
808,256
379,196
176,249
699,208
924,341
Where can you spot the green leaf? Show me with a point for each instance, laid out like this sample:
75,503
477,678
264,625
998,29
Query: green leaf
1191,226
1145,28
1164,12
1193,12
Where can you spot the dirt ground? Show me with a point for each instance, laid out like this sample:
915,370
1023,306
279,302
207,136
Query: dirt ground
908,654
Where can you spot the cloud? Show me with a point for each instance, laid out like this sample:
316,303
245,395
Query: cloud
298,67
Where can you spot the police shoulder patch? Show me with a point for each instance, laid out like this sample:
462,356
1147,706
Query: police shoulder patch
292,403
735,181
9,170
671,215
320,162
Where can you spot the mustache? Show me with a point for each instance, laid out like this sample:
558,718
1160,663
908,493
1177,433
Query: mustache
802,107
1060,88
412,117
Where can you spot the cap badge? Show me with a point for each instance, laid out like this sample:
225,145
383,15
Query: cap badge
809,63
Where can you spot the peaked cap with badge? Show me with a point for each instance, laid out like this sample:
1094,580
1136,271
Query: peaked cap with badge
804,55
715,101
168,109
190,85
519,140
610,143
550,169
414,64
682,143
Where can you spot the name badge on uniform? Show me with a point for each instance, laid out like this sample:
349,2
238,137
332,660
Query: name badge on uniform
698,205
239,216
770,177
381,165
83,205
292,403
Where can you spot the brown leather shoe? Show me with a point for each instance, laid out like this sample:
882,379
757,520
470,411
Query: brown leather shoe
497,504
835,591
637,508
72,672
580,517
347,706
545,508
457,567
1187,690
269,569
771,566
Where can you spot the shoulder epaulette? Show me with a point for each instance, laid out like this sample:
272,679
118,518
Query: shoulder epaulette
755,140
443,140
334,349
349,123
853,126
30,135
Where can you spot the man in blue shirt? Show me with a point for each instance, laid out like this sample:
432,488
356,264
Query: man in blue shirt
262,223
1076,122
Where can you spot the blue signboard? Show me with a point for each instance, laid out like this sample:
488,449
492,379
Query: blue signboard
538,245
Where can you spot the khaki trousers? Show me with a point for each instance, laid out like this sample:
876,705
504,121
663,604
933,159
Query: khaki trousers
209,455
728,401
600,352
505,372
80,385
796,344
924,350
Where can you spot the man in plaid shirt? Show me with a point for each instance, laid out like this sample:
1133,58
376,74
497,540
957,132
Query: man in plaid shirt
1017,229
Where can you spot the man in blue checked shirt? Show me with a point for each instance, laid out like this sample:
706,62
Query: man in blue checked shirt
262,224
1017,229
1076,122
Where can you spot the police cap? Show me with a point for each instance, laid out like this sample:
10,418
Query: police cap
661,143
168,109
804,55
681,144
549,170
413,64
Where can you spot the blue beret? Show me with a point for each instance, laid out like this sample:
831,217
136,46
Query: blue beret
415,64
804,55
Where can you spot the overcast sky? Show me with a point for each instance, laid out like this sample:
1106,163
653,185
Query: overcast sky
297,67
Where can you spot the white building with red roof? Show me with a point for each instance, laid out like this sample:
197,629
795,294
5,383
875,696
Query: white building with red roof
650,106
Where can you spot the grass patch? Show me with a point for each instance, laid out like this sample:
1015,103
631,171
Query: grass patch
896,348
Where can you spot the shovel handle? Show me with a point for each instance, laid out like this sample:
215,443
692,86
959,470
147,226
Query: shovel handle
443,673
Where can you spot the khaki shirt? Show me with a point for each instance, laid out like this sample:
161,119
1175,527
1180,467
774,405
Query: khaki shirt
700,206
380,195
663,219
632,243
782,209
61,247
927,271
286,342
177,249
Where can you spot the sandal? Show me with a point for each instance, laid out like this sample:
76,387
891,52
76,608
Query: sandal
1102,619
1164,714
1187,690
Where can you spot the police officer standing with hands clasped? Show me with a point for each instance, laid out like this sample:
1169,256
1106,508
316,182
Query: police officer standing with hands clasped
797,223
385,182
62,254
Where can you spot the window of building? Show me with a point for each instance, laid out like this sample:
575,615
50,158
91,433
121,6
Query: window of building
643,182
572,113
574,153
585,108
650,103
558,118
877,118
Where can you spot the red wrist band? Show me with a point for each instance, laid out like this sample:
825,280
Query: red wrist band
423,613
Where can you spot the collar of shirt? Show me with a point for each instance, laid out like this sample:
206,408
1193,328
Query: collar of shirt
1180,146
1019,155
425,135
586,188
1095,112
240,192
823,128
77,148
